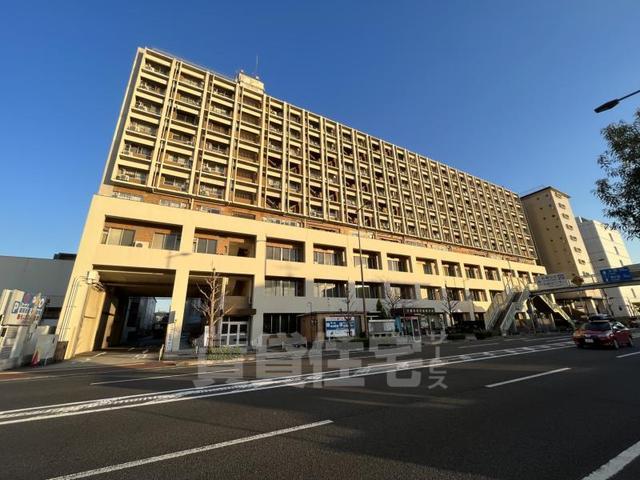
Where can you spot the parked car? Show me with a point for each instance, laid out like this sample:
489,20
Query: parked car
603,333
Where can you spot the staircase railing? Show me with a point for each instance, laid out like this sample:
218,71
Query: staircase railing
515,306
498,304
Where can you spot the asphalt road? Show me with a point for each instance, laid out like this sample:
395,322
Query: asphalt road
516,408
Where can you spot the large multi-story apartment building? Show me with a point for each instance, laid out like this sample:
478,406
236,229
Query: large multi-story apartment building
606,249
209,172
560,246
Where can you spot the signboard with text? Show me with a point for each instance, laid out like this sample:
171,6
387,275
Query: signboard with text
338,326
553,280
613,275
23,308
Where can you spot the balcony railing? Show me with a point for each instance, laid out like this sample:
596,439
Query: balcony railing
180,139
210,192
134,152
216,149
155,69
223,93
179,162
190,101
136,127
194,83
152,88
145,107
221,111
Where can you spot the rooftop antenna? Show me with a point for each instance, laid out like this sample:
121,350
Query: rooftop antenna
255,72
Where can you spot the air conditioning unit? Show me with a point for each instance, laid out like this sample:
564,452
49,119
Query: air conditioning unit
142,244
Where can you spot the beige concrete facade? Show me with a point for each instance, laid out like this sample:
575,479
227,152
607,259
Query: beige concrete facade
607,249
560,245
207,172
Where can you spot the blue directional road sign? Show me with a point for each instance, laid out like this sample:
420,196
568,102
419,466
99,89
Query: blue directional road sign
613,275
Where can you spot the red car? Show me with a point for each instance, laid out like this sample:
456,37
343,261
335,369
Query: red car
603,333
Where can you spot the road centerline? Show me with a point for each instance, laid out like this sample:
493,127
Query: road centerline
528,377
191,451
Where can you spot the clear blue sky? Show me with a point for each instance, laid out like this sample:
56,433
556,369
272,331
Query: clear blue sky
504,90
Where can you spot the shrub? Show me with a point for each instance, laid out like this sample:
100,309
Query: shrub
223,353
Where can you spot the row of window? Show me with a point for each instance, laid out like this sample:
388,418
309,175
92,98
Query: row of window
294,287
321,256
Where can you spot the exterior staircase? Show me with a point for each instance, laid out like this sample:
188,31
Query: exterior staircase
555,308
516,305
499,304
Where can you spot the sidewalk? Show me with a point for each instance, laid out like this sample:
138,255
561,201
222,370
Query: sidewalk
188,357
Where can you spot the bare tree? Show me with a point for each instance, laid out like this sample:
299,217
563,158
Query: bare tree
392,299
211,305
349,300
449,303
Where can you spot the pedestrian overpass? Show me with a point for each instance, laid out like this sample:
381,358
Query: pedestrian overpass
502,312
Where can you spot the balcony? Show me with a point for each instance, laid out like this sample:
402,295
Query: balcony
216,148
215,169
221,111
183,139
277,184
147,107
127,176
186,118
192,82
179,161
139,128
136,151
149,87
219,129
223,93
211,192
156,68
189,100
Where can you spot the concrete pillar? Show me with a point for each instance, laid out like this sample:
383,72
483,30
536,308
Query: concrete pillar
257,294
176,314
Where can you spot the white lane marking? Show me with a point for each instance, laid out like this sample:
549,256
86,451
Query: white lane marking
86,374
191,451
481,345
528,377
628,354
139,379
613,466
145,399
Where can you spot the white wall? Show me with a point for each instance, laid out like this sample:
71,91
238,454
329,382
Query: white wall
36,275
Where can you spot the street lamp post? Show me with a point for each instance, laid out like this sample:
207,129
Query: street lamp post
613,103
364,303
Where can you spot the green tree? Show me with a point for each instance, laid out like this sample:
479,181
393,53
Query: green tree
619,191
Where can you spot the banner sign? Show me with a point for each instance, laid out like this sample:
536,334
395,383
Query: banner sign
338,326
24,308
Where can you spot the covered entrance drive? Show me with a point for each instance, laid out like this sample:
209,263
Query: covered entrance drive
130,317
123,312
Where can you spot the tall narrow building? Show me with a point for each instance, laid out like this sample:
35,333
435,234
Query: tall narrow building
560,246
210,172
606,249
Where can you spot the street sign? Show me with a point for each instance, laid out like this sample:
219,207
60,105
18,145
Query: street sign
612,275
553,280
